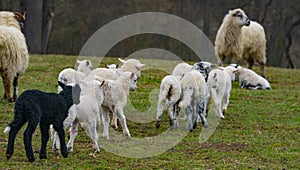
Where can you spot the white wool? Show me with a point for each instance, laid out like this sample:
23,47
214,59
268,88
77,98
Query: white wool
14,56
116,93
181,68
219,86
194,92
237,40
170,93
252,79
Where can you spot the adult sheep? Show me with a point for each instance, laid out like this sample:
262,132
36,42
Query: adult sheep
240,38
13,52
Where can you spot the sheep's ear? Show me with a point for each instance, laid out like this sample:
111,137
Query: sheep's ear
132,75
88,63
102,83
122,61
62,85
19,16
117,66
77,63
106,65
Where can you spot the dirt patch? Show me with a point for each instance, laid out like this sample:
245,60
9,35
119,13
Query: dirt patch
225,146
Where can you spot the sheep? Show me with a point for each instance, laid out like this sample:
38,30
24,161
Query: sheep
70,75
115,94
250,80
88,112
219,86
194,92
14,56
240,38
203,67
37,107
131,65
170,92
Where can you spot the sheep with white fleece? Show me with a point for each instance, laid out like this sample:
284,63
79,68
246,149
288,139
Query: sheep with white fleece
115,94
88,112
219,85
194,92
250,80
130,65
240,38
14,56
70,75
170,92
203,67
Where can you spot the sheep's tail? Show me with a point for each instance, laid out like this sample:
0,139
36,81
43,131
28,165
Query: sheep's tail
165,92
7,130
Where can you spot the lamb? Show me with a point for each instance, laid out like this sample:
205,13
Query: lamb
37,107
194,92
219,85
14,56
115,94
203,67
111,66
250,80
88,112
170,92
70,75
240,38
131,65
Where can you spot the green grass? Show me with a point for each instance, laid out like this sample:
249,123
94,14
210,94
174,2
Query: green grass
261,129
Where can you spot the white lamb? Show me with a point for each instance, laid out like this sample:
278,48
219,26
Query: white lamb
202,66
115,94
250,80
170,92
194,92
130,65
88,112
14,56
219,86
70,75
111,66
240,38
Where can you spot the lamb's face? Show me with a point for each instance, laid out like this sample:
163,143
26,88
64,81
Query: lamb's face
133,79
203,67
239,17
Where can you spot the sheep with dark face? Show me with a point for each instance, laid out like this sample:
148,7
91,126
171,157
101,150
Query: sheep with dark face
37,107
14,56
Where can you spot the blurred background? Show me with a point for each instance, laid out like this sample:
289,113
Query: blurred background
63,26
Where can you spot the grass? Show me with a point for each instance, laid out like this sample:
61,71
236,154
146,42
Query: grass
261,129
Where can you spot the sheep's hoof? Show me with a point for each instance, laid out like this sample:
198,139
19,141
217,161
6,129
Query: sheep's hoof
114,126
223,111
32,159
157,124
43,157
8,156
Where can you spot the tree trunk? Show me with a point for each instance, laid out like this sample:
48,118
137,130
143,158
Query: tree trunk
47,24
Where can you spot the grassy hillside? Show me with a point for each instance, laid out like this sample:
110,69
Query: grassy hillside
261,129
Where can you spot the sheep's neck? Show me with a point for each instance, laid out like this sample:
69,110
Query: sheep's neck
233,34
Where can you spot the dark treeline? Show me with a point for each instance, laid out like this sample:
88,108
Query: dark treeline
63,26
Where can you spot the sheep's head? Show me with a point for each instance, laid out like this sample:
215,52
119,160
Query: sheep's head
71,90
84,66
239,17
132,65
203,67
12,19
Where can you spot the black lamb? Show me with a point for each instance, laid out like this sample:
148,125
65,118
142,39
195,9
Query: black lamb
34,107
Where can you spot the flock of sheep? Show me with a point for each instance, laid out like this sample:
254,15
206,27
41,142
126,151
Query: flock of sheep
103,90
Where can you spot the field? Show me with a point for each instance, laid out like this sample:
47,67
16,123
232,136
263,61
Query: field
261,129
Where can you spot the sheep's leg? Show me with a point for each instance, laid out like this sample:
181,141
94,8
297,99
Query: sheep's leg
195,116
226,102
15,126
45,137
105,121
7,86
217,103
122,119
94,136
188,115
61,134
171,113
250,62
176,115
15,84
160,109
32,124
114,122
262,69
73,134
201,113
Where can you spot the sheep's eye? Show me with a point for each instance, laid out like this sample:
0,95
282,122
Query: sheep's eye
134,81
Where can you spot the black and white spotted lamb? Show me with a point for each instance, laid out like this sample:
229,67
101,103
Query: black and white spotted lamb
34,107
